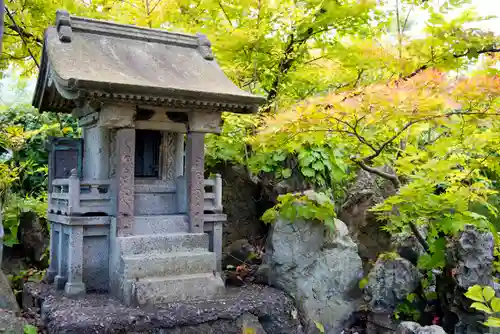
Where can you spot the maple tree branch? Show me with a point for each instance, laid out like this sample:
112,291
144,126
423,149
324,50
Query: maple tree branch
486,50
22,32
468,52
19,31
225,14
155,5
391,177
289,57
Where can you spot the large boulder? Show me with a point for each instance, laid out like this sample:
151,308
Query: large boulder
367,191
390,281
408,327
319,268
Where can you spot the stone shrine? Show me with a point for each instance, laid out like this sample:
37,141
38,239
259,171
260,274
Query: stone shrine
130,210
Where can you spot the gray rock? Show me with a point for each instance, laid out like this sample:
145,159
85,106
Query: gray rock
389,282
320,269
408,327
408,246
471,258
7,298
32,236
367,191
11,323
434,329
237,253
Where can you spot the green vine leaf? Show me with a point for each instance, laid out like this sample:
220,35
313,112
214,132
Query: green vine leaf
481,307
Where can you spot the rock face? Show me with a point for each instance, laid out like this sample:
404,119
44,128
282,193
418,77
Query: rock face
11,323
408,246
389,282
408,327
32,236
7,298
237,253
367,191
470,258
320,270
240,198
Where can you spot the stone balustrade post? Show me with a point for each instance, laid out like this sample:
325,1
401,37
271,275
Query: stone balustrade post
60,279
218,193
73,193
74,284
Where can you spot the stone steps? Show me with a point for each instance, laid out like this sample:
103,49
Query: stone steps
168,264
159,290
162,268
172,242
161,224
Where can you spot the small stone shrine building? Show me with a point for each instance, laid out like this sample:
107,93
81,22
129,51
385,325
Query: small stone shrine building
130,210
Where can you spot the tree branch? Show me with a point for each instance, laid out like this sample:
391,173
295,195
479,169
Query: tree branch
225,13
390,177
22,32
468,52
21,35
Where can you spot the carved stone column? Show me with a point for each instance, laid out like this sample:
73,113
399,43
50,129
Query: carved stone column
125,165
200,122
195,161
179,154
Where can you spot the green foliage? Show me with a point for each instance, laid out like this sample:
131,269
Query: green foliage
375,103
231,145
14,208
408,310
23,170
485,301
30,329
311,206
29,275
320,326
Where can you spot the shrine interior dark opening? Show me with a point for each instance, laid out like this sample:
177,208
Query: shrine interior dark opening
147,153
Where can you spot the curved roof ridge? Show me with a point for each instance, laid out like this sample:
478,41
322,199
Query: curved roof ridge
86,59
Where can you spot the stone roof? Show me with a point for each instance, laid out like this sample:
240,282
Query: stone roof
87,59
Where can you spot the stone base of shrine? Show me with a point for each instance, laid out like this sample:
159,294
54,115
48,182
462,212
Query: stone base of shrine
258,307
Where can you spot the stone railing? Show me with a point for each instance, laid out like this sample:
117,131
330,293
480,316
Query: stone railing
75,197
213,195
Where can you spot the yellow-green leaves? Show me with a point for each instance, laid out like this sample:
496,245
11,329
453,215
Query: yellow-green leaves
320,326
485,301
312,206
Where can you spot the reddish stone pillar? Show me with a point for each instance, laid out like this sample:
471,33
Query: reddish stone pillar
195,161
125,165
